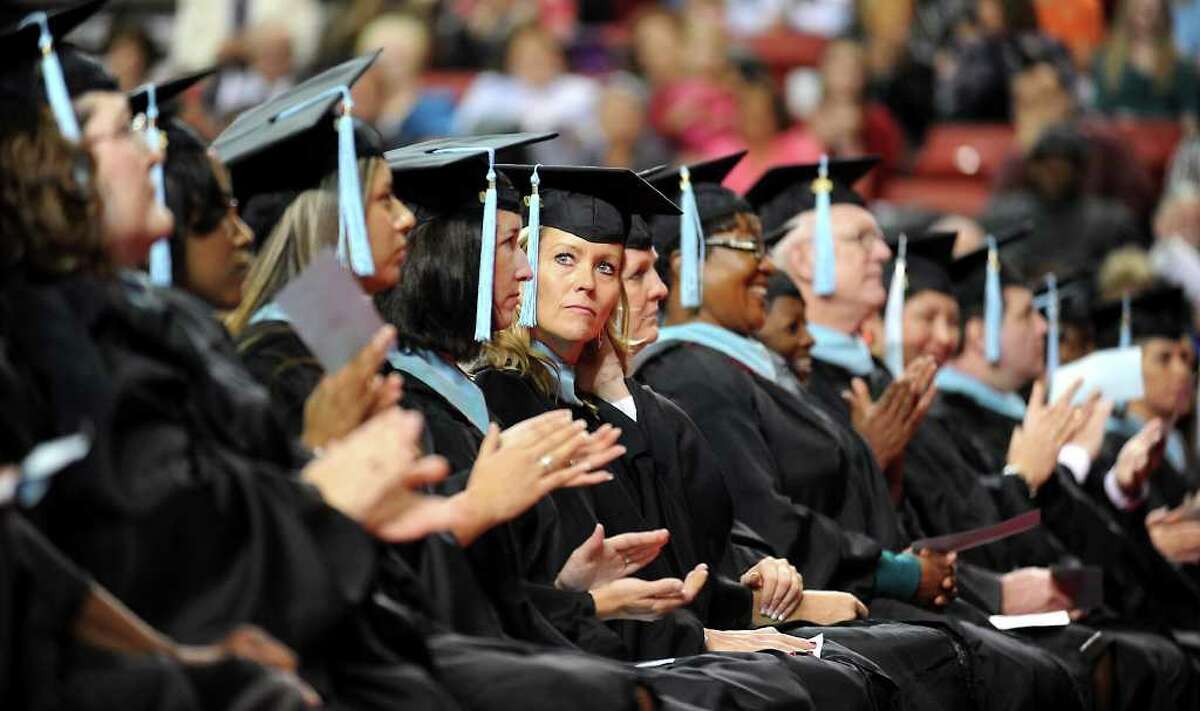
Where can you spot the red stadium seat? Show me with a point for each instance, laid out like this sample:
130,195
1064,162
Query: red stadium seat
964,150
964,196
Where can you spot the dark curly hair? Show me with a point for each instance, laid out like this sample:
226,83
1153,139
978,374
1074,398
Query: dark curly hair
193,193
50,215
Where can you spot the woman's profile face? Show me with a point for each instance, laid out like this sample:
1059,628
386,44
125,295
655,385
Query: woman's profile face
388,223
511,270
579,285
216,262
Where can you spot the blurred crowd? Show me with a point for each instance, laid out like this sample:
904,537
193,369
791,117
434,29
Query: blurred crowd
1080,115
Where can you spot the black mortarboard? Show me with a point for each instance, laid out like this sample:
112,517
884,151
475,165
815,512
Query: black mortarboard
32,33
444,175
927,263
1160,312
290,142
640,234
787,190
697,189
165,91
595,204
293,141
917,265
979,280
20,43
1051,298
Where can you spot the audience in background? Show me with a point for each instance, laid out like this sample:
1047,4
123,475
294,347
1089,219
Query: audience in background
1072,230
1139,72
130,54
391,95
984,55
535,92
626,139
1041,100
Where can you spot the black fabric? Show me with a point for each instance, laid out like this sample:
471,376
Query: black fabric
1146,593
788,190
927,263
1161,312
668,479
752,426
186,442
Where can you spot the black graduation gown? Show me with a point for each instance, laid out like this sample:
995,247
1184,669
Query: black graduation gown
1146,592
42,667
668,479
483,617
568,620
766,429
187,508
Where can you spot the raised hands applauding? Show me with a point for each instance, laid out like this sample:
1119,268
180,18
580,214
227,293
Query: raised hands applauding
347,398
599,560
887,424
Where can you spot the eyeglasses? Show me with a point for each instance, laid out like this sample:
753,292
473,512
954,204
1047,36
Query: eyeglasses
866,240
140,128
729,240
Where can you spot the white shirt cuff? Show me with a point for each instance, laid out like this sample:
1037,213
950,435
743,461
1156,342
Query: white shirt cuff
1118,497
1076,459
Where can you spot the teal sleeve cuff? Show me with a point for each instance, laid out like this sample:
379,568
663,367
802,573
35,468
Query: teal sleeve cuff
897,575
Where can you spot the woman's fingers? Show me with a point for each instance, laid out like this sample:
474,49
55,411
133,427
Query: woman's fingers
694,581
770,585
794,594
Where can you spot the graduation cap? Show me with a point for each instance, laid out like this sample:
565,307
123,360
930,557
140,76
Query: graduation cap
979,280
293,141
1160,312
595,204
140,98
788,190
697,188
1051,298
144,103
918,265
35,34
641,236
437,177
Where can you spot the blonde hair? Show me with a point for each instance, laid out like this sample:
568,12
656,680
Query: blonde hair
308,225
512,349
1118,50
1124,270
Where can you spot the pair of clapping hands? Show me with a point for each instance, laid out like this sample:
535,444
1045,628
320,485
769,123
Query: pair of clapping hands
604,567
1033,450
370,466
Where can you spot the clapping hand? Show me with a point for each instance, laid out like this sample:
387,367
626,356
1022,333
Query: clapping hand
1033,448
647,600
347,398
887,424
599,560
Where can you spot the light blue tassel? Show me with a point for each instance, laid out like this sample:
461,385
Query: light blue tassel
353,249
691,244
893,314
1126,337
160,251
487,259
993,304
532,247
1051,327
487,246
825,268
52,76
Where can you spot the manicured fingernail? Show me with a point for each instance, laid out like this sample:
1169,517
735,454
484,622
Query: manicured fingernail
763,611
